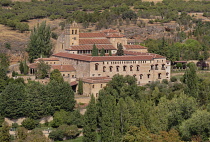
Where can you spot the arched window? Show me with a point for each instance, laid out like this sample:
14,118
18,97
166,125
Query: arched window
148,75
117,68
137,68
124,68
156,67
159,75
104,69
163,67
141,76
152,67
72,32
131,68
75,31
96,66
110,68
134,75
167,74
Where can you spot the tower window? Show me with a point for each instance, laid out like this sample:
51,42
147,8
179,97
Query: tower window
72,31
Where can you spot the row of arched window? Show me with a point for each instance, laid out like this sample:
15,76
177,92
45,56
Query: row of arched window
131,68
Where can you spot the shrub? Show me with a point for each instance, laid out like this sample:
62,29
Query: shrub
173,79
29,123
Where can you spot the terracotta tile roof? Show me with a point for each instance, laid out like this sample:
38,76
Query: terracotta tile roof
134,47
47,59
110,31
90,47
73,83
94,41
91,35
115,35
33,65
96,80
64,68
102,58
156,56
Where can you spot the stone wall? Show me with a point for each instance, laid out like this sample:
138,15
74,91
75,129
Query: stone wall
82,67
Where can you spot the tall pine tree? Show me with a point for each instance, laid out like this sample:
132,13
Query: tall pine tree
94,50
90,122
120,51
40,43
102,52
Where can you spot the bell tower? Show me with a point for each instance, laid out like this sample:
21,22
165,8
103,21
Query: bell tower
67,37
74,34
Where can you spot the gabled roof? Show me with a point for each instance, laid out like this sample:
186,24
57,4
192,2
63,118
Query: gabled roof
63,68
134,47
33,65
102,58
115,36
93,41
90,47
91,35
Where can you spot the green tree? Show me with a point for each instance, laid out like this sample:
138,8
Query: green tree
4,133
198,125
37,99
21,67
190,78
29,123
94,50
110,53
120,51
60,95
26,68
40,43
21,133
90,122
56,76
80,87
13,100
102,52
42,70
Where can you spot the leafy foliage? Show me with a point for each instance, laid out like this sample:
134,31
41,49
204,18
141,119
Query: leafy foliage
39,43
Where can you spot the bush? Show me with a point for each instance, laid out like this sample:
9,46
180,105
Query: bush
173,79
54,35
7,45
29,123
56,135
165,81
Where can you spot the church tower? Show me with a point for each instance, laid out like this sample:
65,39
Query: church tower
67,37
74,34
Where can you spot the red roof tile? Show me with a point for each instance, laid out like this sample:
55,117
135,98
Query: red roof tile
115,35
134,47
91,35
33,65
90,47
126,52
73,83
62,68
94,41
96,80
102,58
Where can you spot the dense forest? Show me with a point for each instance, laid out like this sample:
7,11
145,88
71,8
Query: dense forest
176,110
103,14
